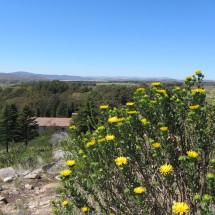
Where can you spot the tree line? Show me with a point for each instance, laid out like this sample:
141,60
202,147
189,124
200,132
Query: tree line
17,125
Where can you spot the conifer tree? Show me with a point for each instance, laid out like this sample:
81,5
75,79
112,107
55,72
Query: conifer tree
8,124
27,125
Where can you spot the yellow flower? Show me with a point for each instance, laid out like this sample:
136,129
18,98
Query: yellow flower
104,107
198,72
110,137
180,208
198,90
101,127
155,84
121,160
132,112
70,163
115,119
188,78
166,169
139,190
72,127
164,128
91,143
66,172
194,107
144,121
64,203
84,209
101,140
130,103
210,175
161,91
156,145
192,154
140,89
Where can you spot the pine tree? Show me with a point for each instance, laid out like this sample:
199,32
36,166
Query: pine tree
27,125
87,116
8,124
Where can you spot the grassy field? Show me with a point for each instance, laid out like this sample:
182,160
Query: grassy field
38,152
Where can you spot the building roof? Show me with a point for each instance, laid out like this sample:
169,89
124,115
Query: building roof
53,121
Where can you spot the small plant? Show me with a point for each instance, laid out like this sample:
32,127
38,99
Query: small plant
156,156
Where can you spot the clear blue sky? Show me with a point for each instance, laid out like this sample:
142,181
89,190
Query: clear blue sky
145,38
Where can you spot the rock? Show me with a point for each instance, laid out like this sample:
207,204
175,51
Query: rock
32,204
8,179
7,172
47,166
3,199
22,172
34,174
51,186
31,176
57,168
58,155
13,192
42,190
29,186
58,138
58,178
47,202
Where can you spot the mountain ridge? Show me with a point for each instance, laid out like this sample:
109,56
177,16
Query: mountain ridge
24,75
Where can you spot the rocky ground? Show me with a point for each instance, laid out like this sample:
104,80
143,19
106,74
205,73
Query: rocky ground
29,192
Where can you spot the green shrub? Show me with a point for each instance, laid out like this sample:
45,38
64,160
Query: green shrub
156,156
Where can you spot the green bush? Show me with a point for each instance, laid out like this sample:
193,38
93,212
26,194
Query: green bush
156,156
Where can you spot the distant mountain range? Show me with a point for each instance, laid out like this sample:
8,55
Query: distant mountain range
27,76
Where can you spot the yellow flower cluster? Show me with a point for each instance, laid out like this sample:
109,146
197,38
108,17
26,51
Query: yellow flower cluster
121,160
192,154
144,121
129,103
156,145
115,119
198,90
72,127
180,208
65,203
110,137
104,107
166,169
132,112
140,89
161,91
66,172
91,143
139,190
84,209
198,72
194,107
164,128
101,140
70,162
155,84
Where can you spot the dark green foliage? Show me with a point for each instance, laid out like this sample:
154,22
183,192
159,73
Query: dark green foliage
8,124
87,116
27,126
